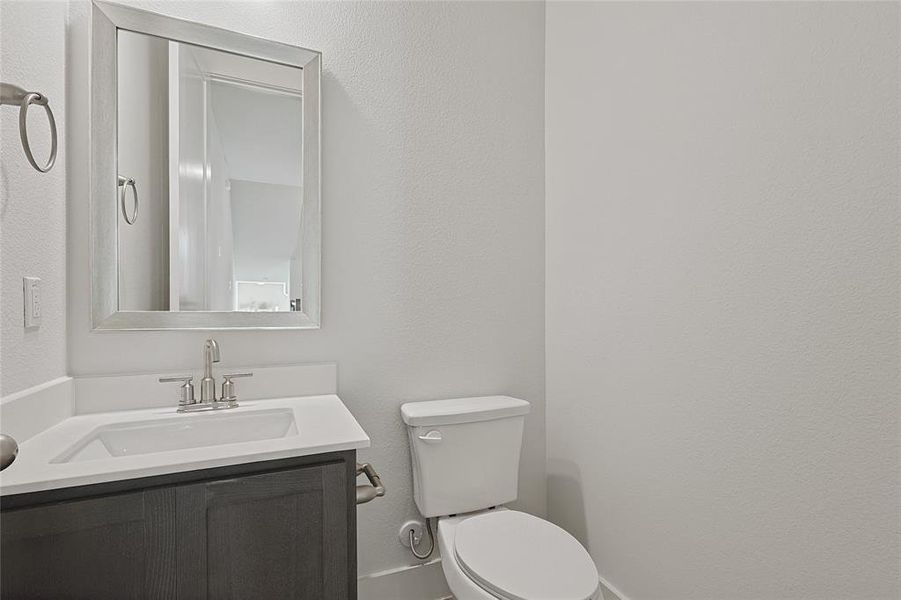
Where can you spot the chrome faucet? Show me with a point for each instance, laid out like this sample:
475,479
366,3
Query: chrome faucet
208,384
208,400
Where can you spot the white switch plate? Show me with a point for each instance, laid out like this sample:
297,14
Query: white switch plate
32,291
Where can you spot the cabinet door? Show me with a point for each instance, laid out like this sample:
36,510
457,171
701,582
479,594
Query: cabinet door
282,534
117,547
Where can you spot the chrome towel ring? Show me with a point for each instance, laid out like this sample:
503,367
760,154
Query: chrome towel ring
124,184
16,96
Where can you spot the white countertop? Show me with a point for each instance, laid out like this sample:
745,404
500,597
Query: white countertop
323,425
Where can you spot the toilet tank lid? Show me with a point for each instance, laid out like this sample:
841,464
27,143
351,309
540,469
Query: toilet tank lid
462,410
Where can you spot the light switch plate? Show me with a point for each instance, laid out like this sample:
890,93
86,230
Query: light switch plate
32,292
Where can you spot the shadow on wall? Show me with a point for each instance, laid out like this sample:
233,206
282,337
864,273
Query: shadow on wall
566,501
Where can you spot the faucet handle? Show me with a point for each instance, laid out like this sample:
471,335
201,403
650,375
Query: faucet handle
186,395
228,387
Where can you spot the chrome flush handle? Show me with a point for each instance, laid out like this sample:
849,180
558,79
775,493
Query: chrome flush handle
432,437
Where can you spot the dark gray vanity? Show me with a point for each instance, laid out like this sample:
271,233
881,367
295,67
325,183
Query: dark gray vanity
275,529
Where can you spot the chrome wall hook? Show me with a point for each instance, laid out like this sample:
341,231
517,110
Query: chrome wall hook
13,95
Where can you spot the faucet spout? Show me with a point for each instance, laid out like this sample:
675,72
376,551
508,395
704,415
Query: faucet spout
210,356
208,384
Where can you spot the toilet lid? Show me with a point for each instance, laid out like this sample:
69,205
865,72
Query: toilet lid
517,556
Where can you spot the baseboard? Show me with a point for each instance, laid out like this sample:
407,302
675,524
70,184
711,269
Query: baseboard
610,592
415,582
426,582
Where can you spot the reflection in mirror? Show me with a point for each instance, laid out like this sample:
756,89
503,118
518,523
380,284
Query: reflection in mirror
214,144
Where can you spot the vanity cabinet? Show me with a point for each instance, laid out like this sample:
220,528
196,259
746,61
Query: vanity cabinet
273,535
120,546
276,529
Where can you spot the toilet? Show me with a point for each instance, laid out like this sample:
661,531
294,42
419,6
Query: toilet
465,456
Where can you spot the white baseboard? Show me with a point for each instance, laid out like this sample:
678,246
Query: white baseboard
415,582
426,582
610,592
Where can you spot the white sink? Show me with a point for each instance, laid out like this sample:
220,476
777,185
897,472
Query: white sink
110,446
186,431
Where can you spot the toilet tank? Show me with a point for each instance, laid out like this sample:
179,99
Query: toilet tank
465,452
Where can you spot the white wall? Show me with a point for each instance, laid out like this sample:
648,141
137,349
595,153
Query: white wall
433,223
32,204
723,295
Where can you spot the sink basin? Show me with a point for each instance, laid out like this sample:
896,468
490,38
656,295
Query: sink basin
179,433
101,447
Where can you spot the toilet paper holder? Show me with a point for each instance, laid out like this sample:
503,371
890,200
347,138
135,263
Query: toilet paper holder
375,489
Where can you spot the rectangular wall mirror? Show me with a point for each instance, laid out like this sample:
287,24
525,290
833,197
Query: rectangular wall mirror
205,176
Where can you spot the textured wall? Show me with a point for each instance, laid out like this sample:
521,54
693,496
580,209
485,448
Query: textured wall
723,295
433,223
32,204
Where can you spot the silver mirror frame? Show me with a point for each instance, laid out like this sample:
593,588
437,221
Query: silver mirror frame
106,19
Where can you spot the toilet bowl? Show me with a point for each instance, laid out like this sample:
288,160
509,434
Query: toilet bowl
465,456
509,555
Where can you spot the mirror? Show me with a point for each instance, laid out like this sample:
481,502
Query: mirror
212,143
206,215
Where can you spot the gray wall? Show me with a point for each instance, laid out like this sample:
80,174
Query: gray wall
32,204
723,295
433,223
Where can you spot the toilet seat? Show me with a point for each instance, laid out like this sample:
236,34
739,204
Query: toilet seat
517,556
